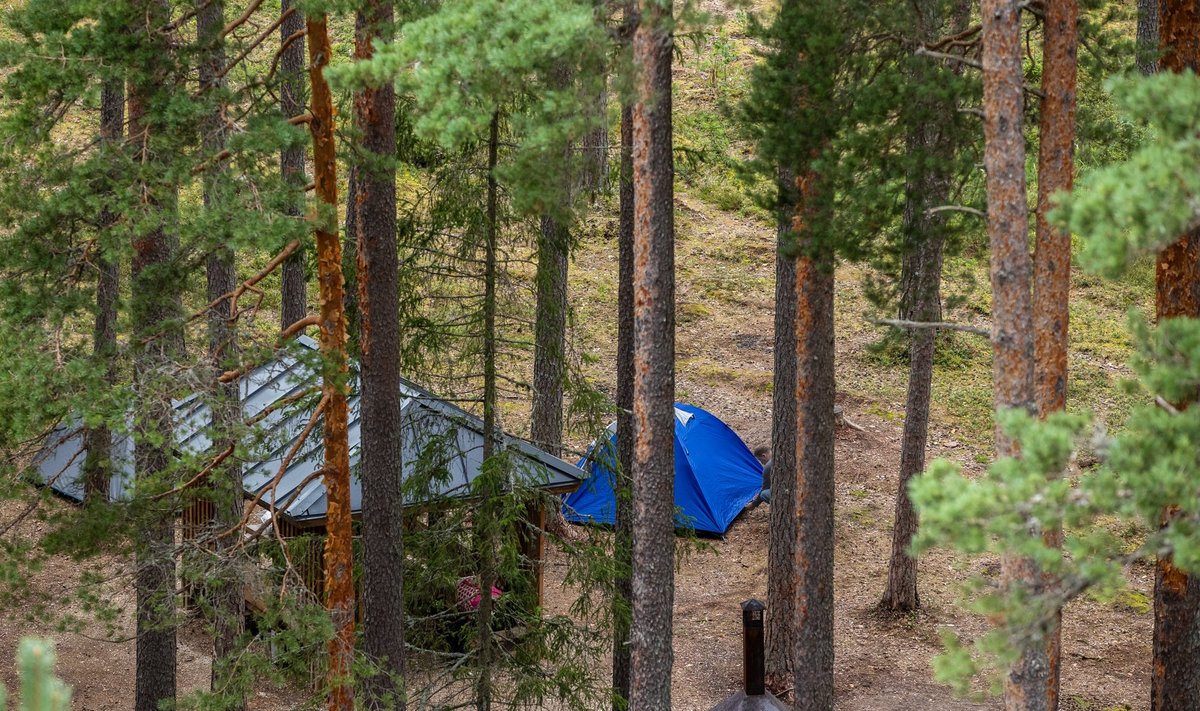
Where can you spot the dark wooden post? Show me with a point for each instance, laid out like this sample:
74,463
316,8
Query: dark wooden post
753,662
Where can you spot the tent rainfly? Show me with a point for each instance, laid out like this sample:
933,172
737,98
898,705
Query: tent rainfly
436,433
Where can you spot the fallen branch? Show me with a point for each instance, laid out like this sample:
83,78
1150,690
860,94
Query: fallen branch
1166,406
900,323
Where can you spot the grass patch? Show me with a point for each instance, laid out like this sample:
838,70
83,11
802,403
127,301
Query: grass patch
757,381
1124,600
691,312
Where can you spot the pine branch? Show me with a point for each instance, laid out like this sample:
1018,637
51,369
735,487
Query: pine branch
262,37
949,326
924,51
956,39
249,284
956,208
200,476
241,19
287,460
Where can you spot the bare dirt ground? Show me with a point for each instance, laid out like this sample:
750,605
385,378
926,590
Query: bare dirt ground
101,670
882,665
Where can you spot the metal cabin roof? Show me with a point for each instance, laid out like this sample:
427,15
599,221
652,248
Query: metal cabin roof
436,435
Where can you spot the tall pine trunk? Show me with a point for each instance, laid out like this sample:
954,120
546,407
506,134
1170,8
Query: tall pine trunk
1052,264
224,590
623,524
653,465
550,333
339,560
97,466
484,519
158,342
927,185
812,653
1175,673
781,548
294,304
374,205
1011,274
920,301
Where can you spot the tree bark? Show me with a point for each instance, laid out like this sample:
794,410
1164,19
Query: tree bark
1175,672
921,302
550,322
812,654
487,575
781,548
225,589
550,334
1011,272
339,561
158,342
653,466
1147,36
379,340
623,524
1052,265
927,185
291,160
594,176
350,264
97,466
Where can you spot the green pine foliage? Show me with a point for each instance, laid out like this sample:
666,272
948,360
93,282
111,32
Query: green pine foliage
1123,212
41,690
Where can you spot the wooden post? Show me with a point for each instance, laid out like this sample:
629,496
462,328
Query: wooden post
533,545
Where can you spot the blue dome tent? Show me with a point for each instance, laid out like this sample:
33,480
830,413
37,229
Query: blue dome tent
716,475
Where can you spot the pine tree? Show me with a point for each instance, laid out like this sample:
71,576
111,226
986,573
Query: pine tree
929,141
1147,36
1052,276
1011,273
653,461
223,497
339,562
1175,676
155,314
793,115
374,205
623,516
550,321
104,335
780,636
294,301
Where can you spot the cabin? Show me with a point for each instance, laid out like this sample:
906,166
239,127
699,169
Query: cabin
281,474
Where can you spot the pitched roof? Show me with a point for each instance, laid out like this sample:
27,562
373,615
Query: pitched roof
436,436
